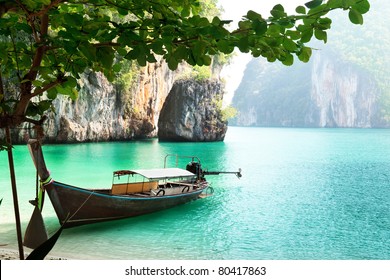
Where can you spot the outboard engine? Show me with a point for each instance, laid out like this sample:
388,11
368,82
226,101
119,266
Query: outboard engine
196,168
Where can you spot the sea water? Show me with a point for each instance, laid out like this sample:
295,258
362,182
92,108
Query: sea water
305,194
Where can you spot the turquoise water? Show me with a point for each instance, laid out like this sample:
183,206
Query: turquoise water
304,194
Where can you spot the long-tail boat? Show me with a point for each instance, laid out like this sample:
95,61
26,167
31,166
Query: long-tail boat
144,191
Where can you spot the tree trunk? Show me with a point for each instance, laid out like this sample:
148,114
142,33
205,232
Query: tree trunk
15,194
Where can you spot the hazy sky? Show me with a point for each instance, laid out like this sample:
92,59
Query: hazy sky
234,10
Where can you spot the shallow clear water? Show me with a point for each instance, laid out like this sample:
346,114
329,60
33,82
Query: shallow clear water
304,194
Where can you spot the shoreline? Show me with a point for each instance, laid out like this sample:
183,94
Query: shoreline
7,253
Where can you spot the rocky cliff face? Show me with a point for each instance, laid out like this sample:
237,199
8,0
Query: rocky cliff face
342,96
326,92
189,113
105,112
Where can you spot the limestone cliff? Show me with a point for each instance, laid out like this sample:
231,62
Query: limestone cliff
342,95
107,112
189,113
345,84
327,92
104,112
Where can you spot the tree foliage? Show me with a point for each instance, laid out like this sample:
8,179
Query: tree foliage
46,44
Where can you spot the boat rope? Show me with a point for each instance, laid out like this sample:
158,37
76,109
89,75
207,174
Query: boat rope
39,191
160,191
81,206
46,182
210,190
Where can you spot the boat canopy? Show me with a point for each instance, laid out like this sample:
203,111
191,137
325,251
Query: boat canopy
157,174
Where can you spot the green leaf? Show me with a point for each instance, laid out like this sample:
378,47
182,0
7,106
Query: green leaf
69,46
294,35
75,20
23,26
274,30
45,2
151,58
88,51
52,93
123,12
157,47
301,10
288,59
128,38
141,59
321,35
31,4
134,53
116,67
313,4
305,54
37,83
73,94
278,11
218,32
244,24
181,53
289,45
252,15
121,51
355,17
44,106
206,60
185,12
243,44
325,23
198,50
362,6
172,62
307,35
260,26
334,3
225,46
216,21
346,4
70,82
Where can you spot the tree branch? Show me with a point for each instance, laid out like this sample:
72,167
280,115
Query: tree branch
47,8
39,91
31,75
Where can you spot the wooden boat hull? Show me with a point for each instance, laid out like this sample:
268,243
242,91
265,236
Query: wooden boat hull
76,206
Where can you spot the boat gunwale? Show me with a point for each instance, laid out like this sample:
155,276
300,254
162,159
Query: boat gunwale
98,192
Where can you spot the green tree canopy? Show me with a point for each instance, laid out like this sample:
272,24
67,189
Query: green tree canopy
46,44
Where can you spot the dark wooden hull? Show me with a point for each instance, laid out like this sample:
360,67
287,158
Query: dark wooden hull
78,206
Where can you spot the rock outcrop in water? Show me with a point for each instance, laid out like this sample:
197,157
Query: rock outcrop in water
189,113
105,112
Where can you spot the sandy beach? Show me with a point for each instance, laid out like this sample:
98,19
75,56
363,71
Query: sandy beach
13,254
9,254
